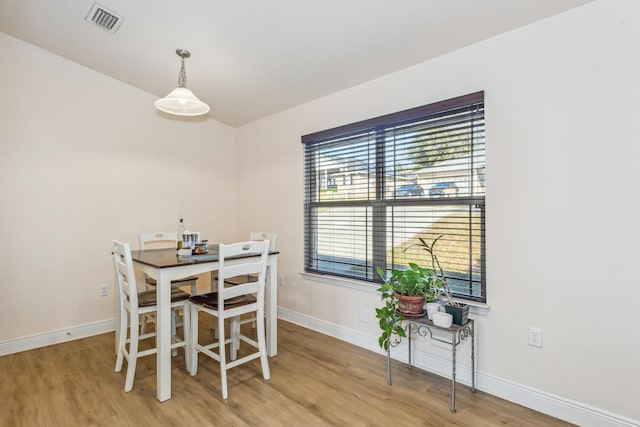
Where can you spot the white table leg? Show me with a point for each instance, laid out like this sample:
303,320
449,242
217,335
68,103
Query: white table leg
272,305
163,338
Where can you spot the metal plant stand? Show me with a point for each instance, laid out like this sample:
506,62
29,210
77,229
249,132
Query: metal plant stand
422,326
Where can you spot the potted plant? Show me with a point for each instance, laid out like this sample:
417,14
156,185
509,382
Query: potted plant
460,312
404,293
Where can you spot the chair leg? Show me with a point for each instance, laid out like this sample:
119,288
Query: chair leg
223,359
186,334
122,341
143,328
214,327
193,368
133,354
262,346
174,321
235,340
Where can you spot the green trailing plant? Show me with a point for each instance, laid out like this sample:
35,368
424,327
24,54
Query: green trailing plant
389,316
414,281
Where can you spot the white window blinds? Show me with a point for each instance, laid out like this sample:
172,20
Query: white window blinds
373,188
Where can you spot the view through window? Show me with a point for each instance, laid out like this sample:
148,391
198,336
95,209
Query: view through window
373,188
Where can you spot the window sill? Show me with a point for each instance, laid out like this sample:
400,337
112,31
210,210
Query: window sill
475,307
341,281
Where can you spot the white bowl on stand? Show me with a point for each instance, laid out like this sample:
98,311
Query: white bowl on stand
432,307
442,319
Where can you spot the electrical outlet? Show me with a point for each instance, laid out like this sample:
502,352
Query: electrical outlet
103,289
363,315
535,336
281,280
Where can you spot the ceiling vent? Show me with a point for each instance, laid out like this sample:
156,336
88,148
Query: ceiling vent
104,18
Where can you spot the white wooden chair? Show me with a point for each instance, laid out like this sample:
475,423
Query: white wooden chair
258,236
261,236
134,304
231,302
165,239
160,240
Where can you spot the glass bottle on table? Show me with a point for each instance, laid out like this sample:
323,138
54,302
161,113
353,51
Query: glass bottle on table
180,234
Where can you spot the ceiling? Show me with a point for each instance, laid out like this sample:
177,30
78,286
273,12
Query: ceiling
253,58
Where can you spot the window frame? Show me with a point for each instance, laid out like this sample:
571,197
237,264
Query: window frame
378,126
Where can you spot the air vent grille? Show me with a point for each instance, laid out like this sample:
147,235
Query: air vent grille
104,18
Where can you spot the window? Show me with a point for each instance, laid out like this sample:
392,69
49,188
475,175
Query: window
373,188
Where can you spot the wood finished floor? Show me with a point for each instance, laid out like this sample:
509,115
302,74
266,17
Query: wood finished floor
316,380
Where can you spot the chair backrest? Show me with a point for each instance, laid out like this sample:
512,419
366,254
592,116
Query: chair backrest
265,235
126,277
254,265
158,239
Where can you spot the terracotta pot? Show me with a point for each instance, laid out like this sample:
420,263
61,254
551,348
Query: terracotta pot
411,304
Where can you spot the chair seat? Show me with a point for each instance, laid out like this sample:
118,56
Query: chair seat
239,280
210,300
148,298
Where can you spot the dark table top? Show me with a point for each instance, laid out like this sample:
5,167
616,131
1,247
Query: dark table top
163,258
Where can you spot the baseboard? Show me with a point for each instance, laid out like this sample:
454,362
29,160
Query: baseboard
55,337
556,406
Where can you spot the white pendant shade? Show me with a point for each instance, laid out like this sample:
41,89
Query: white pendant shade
182,102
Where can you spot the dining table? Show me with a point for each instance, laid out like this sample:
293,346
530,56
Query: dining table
165,265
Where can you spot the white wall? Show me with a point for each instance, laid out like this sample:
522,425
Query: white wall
85,159
562,228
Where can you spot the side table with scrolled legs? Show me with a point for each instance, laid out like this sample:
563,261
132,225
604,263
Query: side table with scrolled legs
422,326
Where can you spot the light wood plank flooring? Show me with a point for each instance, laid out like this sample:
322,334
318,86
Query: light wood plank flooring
316,381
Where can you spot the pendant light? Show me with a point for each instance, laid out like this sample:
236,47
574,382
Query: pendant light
181,101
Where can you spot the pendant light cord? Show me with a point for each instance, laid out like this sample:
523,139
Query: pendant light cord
182,77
